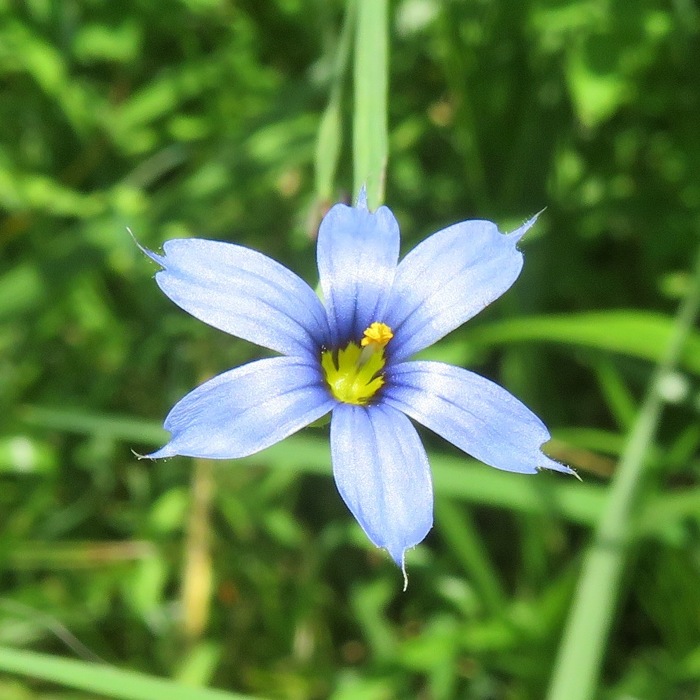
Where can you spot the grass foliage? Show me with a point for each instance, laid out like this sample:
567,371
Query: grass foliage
244,121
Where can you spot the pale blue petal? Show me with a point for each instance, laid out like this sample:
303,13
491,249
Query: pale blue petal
357,253
242,411
244,293
382,473
473,413
448,279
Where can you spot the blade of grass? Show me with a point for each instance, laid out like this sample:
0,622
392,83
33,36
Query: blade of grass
454,477
583,644
196,592
330,129
80,422
642,334
462,479
457,527
77,555
458,67
370,138
619,398
106,680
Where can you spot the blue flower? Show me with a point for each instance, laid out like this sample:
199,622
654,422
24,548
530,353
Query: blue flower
349,356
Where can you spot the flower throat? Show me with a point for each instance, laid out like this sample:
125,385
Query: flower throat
354,373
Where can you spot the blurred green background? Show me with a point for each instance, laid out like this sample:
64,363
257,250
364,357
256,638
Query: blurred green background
201,118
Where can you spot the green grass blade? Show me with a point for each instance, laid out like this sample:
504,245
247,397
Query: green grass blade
642,334
580,656
105,680
458,529
459,478
462,479
370,124
70,420
330,129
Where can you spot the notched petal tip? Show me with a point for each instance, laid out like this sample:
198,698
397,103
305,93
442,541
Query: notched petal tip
357,254
152,456
516,235
244,410
398,556
158,259
473,413
382,473
162,453
362,199
400,561
552,465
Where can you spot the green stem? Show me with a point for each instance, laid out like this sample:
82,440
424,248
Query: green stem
457,75
580,656
370,124
330,130
107,681
467,546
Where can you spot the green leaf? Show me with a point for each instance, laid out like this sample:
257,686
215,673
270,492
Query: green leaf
370,138
459,478
643,334
578,666
100,678
330,130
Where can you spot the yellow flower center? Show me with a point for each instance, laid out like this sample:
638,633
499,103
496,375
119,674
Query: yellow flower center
377,333
354,373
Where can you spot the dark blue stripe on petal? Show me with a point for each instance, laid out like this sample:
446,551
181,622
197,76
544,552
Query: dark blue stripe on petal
448,279
382,473
244,293
473,413
242,411
357,255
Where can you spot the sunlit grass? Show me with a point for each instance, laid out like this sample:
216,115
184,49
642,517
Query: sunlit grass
130,579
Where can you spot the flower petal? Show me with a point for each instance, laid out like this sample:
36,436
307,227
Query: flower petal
382,473
357,254
449,278
475,414
242,411
244,293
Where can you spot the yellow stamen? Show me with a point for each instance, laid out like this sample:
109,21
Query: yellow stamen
354,373
377,333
